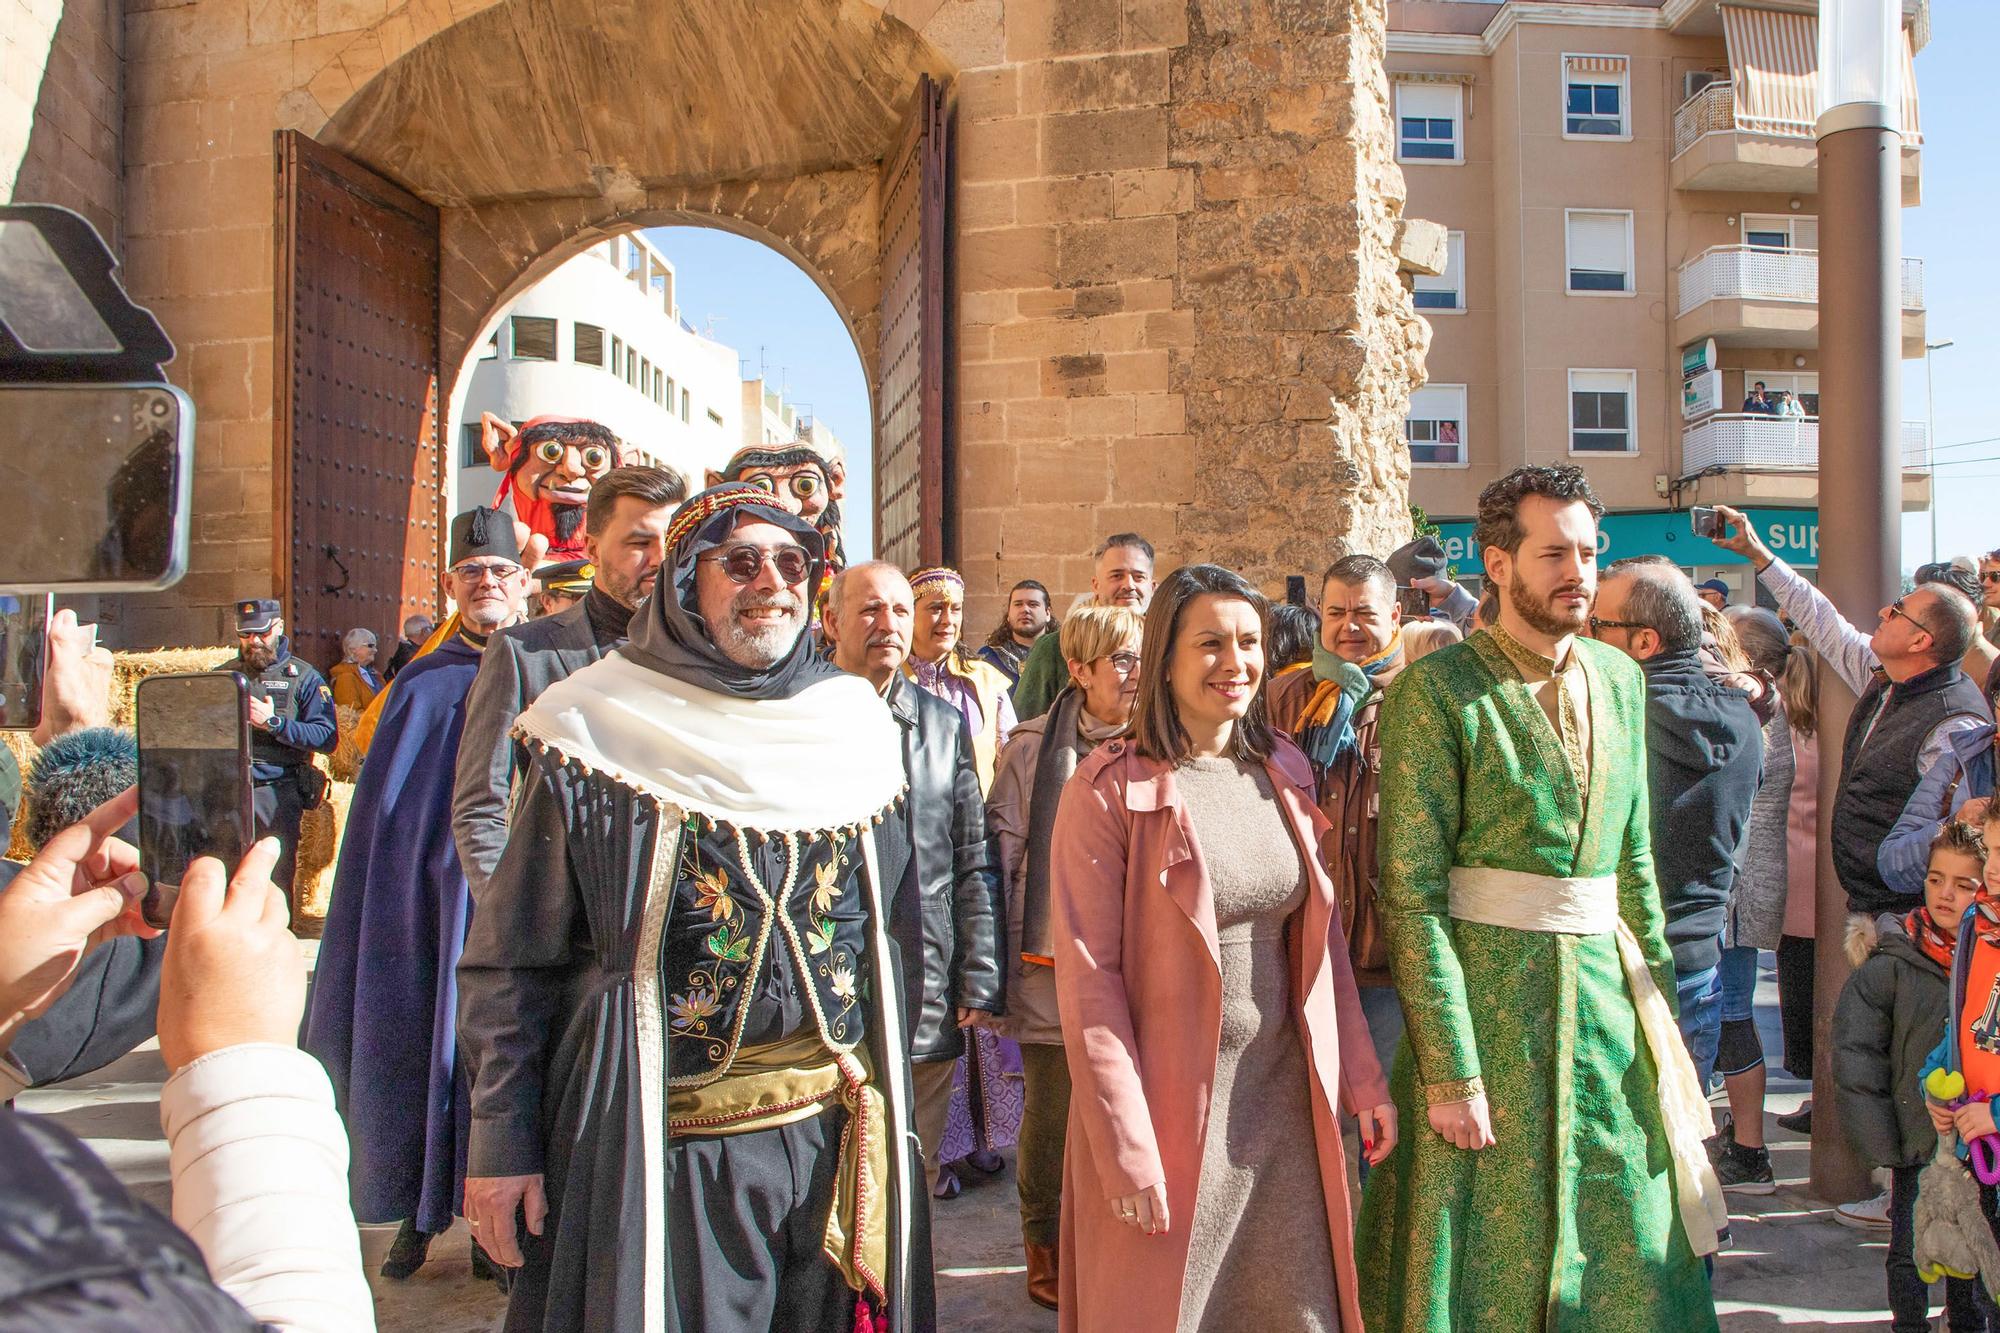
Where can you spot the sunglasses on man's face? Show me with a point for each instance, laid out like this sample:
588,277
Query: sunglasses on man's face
1989,576
744,563
1896,609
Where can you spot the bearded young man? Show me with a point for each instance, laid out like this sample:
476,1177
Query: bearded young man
1027,619
679,995
384,993
1554,1175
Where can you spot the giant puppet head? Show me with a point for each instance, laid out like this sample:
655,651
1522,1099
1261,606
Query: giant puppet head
550,464
802,483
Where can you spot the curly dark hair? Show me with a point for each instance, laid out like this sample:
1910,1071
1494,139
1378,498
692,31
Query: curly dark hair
1500,503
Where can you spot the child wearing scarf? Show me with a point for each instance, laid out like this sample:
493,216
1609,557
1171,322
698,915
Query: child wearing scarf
1884,1031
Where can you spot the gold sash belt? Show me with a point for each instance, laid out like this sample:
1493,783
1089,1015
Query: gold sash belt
1521,900
772,1086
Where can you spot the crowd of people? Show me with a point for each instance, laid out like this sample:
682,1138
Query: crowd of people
709,907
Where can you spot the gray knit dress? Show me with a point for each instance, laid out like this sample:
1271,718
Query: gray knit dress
1259,1252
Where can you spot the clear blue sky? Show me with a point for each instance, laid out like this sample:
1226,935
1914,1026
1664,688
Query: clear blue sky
765,307
1954,234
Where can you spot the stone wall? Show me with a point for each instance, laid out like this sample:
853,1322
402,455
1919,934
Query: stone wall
60,111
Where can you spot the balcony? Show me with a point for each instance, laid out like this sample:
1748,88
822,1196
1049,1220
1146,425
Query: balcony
1755,442
1714,151
1749,296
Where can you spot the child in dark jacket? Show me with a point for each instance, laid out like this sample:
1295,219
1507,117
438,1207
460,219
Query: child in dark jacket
1884,1031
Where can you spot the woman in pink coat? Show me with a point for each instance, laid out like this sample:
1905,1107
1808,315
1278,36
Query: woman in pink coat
1209,1014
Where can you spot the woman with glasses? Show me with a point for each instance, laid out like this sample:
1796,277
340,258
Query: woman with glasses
354,679
1207,1003
1101,646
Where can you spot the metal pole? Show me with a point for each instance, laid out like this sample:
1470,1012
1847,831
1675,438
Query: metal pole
1930,446
1860,485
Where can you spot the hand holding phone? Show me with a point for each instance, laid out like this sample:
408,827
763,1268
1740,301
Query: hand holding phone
194,779
1702,519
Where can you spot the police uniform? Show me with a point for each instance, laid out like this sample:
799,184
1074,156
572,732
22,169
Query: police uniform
283,781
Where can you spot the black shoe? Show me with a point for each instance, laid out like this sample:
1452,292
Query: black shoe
407,1253
1745,1170
1797,1122
483,1268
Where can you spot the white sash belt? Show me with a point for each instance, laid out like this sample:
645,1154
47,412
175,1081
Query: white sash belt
1519,900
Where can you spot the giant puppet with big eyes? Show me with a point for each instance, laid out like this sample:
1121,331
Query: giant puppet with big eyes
548,467
803,483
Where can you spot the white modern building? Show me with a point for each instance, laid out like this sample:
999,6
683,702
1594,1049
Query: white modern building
602,337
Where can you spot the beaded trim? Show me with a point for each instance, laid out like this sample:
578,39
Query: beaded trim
1456,1090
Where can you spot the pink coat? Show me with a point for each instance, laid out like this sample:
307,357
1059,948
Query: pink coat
1139,984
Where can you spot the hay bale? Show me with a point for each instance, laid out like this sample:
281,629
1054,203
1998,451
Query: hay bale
128,669
319,855
345,762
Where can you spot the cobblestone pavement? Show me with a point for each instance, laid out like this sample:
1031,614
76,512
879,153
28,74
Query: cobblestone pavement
1792,1266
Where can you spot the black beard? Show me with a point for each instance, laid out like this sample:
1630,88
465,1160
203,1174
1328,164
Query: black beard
569,522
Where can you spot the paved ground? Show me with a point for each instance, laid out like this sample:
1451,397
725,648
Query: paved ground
1792,1266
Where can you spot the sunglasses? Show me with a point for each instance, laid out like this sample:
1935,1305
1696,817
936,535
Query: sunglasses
1123,663
1896,609
1990,576
744,563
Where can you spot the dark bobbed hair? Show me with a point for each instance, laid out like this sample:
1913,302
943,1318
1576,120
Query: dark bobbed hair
1500,503
1289,635
1156,720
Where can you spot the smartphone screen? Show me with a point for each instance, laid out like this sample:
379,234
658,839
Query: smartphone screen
194,779
1703,519
24,647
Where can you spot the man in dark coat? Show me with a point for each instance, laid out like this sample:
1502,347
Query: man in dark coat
291,720
955,915
384,998
680,996
624,530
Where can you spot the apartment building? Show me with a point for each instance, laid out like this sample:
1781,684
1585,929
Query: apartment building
603,337
1632,196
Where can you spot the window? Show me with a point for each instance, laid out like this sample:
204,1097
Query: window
1427,119
687,405
645,385
1594,97
1600,412
492,349
1802,385
1600,251
1780,231
534,338
659,385
589,345
669,399
471,453
1447,291
617,355
1435,426
632,367
715,416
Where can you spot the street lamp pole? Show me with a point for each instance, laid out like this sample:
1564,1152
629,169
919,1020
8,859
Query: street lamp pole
1930,435
1860,466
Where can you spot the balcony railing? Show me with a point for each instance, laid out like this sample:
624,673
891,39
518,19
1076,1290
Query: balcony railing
1753,273
1747,440
1710,111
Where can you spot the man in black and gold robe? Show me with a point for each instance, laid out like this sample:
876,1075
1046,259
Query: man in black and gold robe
690,1108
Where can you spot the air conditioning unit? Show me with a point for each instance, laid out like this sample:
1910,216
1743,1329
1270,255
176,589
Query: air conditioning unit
1695,80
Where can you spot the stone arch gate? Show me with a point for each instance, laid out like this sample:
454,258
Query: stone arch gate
482,156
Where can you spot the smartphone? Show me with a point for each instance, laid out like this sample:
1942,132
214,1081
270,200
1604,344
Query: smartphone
1295,589
194,779
1416,603
1702,518
24,655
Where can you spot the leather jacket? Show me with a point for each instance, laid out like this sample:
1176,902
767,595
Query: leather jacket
950,922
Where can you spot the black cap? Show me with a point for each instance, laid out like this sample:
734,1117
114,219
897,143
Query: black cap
483,532
1420,559
254,617
571,577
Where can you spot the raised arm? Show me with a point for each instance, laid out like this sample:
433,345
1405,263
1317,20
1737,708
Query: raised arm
1831,636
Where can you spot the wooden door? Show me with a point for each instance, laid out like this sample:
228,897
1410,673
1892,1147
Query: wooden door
913,463
358,533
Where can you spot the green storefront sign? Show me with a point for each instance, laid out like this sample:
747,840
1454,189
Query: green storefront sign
1793,534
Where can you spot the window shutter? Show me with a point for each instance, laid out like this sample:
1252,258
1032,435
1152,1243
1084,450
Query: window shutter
1431,101
1597,242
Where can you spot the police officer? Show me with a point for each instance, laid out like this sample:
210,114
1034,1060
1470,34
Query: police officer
563,585
291,720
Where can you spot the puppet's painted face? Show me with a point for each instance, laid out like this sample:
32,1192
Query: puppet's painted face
561,472
800,488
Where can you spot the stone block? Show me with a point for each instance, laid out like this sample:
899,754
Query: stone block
979,532
971,33
1060,472
1420,247
1064,199
999,381
1097,83
984,206
1000,150
985,307
1050,301
1038,419
1221,184
1159,414
1007,258
1046,337
1136,372
170,132
1103,252
1169,328
1155,23
219,375
1037,527
1158,469
1087,141
1073,376
1111,415
989,94
1147,193
1039,29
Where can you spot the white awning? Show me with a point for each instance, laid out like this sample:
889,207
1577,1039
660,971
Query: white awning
1774,64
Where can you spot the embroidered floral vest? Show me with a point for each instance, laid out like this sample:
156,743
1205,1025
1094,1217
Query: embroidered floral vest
766,940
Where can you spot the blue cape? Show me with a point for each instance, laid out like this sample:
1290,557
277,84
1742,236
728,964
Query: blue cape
382,1016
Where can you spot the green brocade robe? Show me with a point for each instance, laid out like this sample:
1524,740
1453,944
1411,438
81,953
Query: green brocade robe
1568,1222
